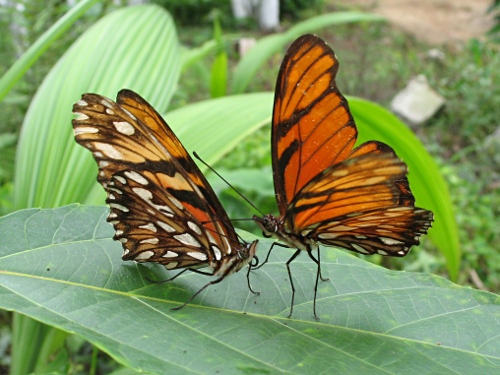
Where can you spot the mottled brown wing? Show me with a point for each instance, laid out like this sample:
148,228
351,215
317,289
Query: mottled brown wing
162,207
312,126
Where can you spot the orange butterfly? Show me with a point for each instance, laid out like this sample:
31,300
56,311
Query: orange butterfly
161,206
327,192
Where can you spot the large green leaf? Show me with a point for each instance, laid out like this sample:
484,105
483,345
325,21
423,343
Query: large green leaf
31,55
60,267
134,47
214,127
251,62
427,184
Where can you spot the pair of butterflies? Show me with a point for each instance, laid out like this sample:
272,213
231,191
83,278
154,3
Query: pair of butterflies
163,209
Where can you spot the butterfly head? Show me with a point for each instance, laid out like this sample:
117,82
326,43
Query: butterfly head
269,224
231,264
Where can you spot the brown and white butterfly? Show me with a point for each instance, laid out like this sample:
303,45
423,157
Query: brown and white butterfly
327,191
161,206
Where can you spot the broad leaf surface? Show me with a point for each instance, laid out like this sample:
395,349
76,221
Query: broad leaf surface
61,267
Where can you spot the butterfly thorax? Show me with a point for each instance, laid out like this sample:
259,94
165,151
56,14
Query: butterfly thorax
234,263
273,226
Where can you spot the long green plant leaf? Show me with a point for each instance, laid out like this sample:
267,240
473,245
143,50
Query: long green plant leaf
214,127
427,184
16,71
251,62
60,267
135,48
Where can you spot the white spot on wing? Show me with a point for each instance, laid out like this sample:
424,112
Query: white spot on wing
136,177
170,254
145,195
129,113
84,129
152,241
194,227
107,103
121,179
306,232
124,127
108,150
390,241
228,246
211,238
217,252
82,103
176,203
171,265
109,111
119,207
115,190
197,255
187,239
166,227
149,226
145,255
360,249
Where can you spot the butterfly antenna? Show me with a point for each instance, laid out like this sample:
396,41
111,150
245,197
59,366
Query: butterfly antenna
228,184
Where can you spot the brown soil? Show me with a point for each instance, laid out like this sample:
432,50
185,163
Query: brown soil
432,21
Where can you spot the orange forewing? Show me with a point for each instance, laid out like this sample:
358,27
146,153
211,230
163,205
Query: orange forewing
306,100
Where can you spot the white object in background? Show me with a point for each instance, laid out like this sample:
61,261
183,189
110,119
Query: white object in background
267,12
417,102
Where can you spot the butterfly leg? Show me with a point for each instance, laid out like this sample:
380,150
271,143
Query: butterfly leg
198,292
291,280
248,281
176,276
318,273
166,280
269,253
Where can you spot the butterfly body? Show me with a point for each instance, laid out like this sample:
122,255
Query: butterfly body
327,191
161,206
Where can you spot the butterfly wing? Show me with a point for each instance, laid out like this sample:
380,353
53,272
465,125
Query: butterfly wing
363,204
162,207
312,126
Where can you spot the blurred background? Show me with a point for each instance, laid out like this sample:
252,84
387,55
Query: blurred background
454,44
